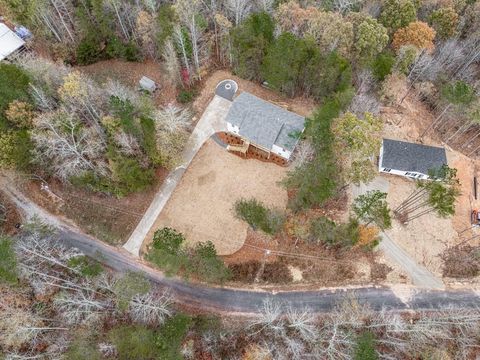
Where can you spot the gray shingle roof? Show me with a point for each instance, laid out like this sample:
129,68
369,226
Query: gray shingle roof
263,123
405,156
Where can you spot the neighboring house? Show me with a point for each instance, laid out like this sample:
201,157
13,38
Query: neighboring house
410,159
10,42
269,128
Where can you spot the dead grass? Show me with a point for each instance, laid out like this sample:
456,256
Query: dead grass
201,205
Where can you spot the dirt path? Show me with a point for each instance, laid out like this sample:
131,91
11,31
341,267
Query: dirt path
212,121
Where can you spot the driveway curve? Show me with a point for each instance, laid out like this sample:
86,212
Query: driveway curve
237,301
211,122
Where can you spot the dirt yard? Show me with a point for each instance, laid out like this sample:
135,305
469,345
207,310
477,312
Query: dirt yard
427,237
201,206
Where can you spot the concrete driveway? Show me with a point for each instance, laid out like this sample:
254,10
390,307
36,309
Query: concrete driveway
212,121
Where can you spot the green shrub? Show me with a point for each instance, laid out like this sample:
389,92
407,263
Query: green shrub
365,347
171,336
167,251
259,216
130,176
128,286
328,232
85,265
149,143
8,261
186,96
382,65
83,348
207,264
14,85
88,51
134,342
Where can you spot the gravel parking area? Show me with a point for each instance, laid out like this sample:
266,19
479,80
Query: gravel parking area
201,206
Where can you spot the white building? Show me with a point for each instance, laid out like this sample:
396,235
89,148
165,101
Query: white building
9,42
409,159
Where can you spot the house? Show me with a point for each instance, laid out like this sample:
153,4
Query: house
410,159
10,42
271,129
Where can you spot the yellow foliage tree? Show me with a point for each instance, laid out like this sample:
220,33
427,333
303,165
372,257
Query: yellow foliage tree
417,33
367,236
20,114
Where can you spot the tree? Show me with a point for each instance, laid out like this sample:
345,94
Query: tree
67,147
357,140
291,17
250,42
167,251
373,207
397,14
283,63
370,37
257,215
20,114
8,261
457,94
172,65
331,32
417,33
208,265
438,195
151,308
444,21
238,9
128,286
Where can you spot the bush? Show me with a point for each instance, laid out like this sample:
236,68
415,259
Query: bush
382,65
258,216
128,286
83,348
8,261
134,342
167,252
149,143
365,347
186,96
207,265
326,231
130,176
88,51
85,265
14,86
170,337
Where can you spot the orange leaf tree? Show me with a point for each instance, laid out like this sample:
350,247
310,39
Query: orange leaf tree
416,33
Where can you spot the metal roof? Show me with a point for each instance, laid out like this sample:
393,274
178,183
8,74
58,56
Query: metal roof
263,123
9,41
405,156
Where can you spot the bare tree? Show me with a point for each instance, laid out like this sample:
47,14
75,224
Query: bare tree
239,9
79,307
172,118
150,308
66,146
172,65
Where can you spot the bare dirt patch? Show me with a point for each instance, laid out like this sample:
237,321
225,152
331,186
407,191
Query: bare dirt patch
201,205
9,216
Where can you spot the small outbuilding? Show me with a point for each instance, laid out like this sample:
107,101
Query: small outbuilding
269,128
410,159
10,42
147,84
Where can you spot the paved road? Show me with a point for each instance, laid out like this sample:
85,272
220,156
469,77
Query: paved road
241,301
211,122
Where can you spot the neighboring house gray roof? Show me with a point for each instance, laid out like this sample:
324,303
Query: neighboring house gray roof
405,156
263,123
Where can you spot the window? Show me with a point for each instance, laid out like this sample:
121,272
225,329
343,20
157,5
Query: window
387,169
